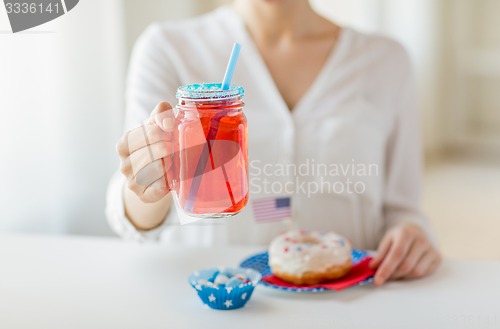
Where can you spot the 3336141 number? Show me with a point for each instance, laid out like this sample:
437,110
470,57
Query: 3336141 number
31,8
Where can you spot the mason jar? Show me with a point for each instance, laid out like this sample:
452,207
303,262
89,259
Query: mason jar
211,166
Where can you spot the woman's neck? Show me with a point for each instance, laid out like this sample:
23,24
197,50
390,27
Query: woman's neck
272,21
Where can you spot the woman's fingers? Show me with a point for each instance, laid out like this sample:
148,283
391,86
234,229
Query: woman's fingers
152,172
157,190
140,137
425,265
162,116
410,254
122,147
151,182
436,263
399,249
382,251
144,156
146,135
416,252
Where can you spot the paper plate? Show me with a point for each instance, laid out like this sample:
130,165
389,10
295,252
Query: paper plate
259,262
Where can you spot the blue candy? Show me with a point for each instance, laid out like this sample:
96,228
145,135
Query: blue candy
212,278
234,282
221,279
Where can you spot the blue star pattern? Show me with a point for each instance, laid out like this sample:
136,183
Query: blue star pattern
224,297
260,263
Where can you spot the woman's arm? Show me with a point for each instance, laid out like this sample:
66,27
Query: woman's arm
144,153
122,223
140,204
407,249
145,216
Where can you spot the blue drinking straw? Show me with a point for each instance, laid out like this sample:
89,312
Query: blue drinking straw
226,82
207,153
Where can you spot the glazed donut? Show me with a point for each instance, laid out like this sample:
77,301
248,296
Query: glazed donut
309,257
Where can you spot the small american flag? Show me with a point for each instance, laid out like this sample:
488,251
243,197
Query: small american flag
271,209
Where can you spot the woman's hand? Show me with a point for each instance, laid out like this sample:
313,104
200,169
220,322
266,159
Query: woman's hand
405,252
145,155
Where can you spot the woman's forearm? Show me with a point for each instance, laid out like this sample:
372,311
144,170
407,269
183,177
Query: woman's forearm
145,216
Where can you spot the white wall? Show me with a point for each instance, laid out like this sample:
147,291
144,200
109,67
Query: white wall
60,96
473,75
139,14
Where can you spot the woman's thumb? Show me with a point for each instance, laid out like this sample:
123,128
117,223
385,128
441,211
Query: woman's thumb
162,116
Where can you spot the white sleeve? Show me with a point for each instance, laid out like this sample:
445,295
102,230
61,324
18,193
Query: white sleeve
403,170
151,79
115,213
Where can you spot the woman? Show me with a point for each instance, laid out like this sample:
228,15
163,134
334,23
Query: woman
315,93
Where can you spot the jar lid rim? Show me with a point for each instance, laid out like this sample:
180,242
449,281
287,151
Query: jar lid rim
208,91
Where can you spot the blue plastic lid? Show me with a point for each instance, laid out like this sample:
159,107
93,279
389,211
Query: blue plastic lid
208,91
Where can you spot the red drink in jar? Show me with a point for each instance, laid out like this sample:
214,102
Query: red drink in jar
211,163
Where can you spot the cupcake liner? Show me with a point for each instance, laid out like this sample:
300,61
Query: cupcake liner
224,297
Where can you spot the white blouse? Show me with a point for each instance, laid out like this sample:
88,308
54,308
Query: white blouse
348,154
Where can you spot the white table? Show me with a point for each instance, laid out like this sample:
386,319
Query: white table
74,282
